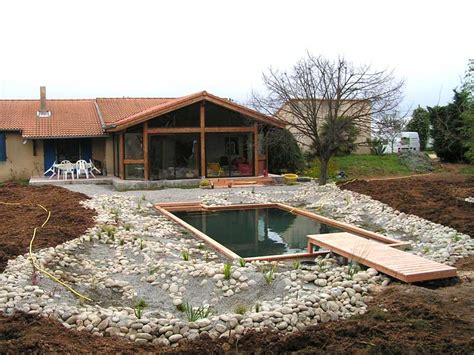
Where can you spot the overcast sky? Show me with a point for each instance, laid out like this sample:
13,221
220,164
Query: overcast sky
84,49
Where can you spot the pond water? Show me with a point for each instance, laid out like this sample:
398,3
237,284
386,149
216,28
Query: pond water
257,232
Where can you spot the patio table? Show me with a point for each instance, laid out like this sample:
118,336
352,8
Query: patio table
65,168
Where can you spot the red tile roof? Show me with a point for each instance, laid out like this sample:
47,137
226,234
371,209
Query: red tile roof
91,118
116,109
69,118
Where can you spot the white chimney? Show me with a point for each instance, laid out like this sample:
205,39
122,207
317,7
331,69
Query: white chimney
43,112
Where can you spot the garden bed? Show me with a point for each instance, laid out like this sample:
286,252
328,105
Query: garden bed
68,220
132,254
432,197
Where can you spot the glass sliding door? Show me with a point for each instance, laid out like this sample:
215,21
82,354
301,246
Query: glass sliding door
174,156
229,154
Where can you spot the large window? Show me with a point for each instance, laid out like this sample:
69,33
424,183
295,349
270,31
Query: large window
229,154
185,117
174,156
134,172
217,116
133,145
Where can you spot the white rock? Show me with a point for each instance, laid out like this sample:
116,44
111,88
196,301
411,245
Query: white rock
175,338
177,301
220,328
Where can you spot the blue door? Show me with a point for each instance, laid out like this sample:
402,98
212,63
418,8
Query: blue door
49,153
86,149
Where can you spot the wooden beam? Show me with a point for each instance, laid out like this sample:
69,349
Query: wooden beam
133,161
121,155
345,226
228,129
174,130
179,103
202,121
266,151
216,245
146,163
255,149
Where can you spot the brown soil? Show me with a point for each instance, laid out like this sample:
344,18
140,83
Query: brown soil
433,197
68,218
24,333
401,319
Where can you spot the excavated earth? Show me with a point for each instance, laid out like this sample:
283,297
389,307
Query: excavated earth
433,197
427,318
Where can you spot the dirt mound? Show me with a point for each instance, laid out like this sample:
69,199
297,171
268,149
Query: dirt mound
432,197
403,319
23,333
416,161
68,218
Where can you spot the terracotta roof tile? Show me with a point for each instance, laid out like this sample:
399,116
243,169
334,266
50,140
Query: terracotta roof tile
116,109
85,118
69,118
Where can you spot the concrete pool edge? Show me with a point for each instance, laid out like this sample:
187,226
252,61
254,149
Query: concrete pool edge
167,209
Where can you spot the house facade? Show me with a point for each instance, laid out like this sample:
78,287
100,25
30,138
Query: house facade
199,135
360,109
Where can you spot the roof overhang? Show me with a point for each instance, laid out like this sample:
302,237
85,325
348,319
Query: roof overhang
189,100
64,137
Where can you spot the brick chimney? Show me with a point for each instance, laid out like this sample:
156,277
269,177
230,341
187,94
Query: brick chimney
43,112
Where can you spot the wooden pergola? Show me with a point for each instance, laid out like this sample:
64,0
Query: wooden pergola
260,161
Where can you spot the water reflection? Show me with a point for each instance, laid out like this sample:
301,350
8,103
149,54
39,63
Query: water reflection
257,232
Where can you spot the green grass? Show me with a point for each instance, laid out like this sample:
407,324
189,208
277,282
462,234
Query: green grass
368,165
467,170
356,166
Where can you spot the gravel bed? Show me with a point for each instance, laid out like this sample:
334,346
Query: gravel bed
134,254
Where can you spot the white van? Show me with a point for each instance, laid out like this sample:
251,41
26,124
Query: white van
408,141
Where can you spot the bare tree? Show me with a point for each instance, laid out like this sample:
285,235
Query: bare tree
319,99
388,127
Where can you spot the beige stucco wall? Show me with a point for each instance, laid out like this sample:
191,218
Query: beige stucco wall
20,163
304,141
109,156
102,150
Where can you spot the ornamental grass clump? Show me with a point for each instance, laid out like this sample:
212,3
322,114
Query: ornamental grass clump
185,255
269,277
296,265
195,313
227,271
139,307
353,268
240,309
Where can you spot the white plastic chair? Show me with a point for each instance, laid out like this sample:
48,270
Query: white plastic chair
67,168
52,169
82,167
92,168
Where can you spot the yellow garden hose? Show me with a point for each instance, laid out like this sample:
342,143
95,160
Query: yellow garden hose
33,259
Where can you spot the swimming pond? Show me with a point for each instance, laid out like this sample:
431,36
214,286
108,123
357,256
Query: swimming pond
257,232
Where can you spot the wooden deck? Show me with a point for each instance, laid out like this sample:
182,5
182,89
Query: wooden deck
236,182
382,257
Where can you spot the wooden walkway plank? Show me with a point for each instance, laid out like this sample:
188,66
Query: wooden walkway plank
396,263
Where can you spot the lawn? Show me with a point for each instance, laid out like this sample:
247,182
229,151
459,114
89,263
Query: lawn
358,166
467,170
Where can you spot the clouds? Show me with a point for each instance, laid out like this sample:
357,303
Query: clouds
152,48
